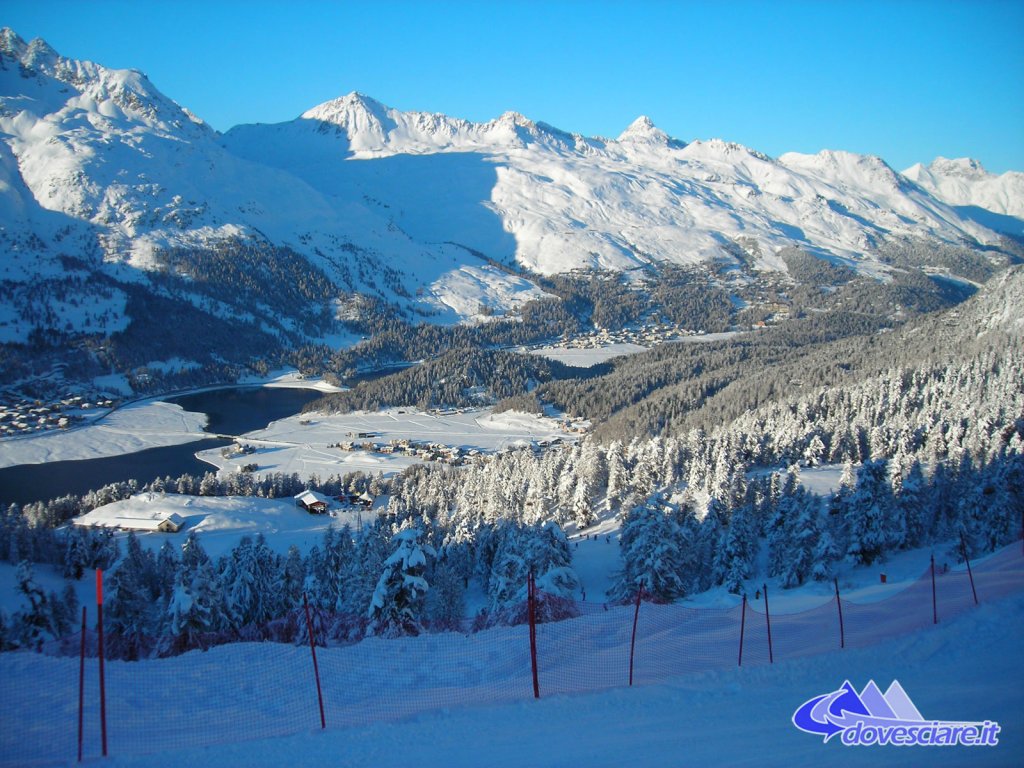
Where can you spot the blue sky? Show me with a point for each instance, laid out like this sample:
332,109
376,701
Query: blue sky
904,80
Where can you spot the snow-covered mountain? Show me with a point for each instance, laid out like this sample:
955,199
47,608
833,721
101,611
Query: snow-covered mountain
102,176
966,182
994,200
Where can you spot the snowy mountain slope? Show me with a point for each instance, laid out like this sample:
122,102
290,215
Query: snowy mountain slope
965,668
572,202
999,306
966,182
135,173
101,176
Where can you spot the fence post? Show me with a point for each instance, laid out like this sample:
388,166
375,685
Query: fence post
531,599
103,683
935,607
743,622
963,548
768,618
81,688
632,643
316,668
839,605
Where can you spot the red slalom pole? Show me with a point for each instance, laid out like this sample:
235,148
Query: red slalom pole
632,643
103,683
839,605
963,547
531,599
316,668
768,618
743,623
81,688
935,607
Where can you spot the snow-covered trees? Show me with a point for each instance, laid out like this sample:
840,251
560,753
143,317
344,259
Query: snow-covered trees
652,559
873,524
134,604
251,579
793,533
35,621
196,607
396,607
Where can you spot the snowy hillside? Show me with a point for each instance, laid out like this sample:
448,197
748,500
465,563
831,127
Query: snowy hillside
120,210
994,200
573,202
466,700
104,149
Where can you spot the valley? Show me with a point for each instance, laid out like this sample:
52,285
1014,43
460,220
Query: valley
631,368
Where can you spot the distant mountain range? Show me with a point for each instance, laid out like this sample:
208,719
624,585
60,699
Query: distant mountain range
109,184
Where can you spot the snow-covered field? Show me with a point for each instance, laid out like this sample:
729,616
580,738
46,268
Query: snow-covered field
135,427
301,443
585,357
220,522
457,700
288,378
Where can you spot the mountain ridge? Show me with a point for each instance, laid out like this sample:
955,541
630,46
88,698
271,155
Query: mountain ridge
107,181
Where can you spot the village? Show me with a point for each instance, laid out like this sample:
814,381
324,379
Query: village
646,335
420,450
25,417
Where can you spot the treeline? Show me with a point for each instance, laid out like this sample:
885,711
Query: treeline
881,507
399,575
458,378
970,263
676,387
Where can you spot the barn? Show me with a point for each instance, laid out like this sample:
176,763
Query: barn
313,502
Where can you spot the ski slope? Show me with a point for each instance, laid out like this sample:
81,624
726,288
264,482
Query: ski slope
967,668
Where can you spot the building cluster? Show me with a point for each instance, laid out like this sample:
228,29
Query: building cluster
646,336
28,416
319,504
446,454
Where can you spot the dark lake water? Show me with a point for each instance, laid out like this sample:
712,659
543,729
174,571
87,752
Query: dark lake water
230,411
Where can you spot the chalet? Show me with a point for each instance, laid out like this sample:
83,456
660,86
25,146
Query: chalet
172,523
363,499
160,522
313,502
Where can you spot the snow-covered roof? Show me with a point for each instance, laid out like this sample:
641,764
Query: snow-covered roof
308,497
133,522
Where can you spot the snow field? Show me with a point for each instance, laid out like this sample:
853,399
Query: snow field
587,357
383,697
219,522
135,427
302,443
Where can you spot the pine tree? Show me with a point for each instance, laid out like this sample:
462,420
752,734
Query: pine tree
446,600
196,607
251,581
133,601
294,578
34,623
734,560
913,504
650,547
396,607
550,558
75,554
